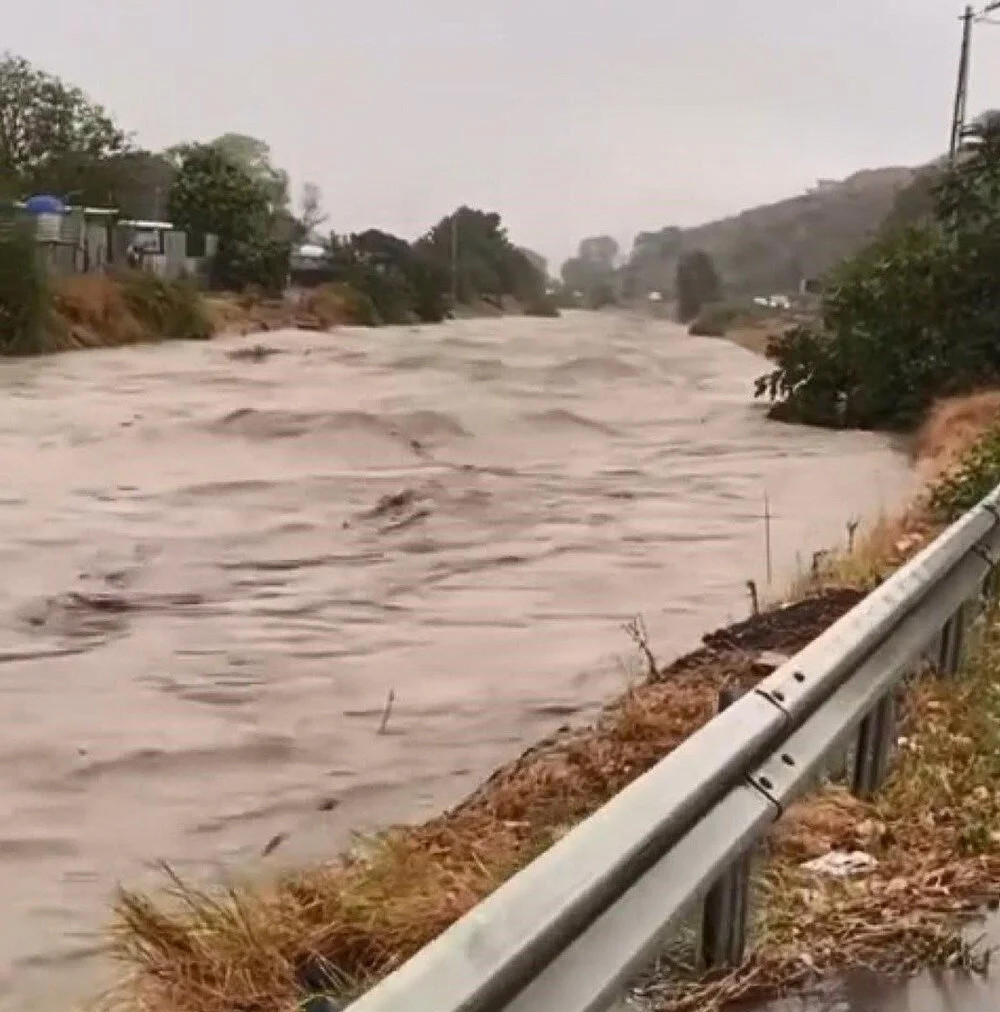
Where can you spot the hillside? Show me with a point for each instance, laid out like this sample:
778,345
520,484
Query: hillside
772,248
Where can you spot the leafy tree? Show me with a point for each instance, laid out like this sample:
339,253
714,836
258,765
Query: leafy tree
697,284
257,260
312,216
212,194
913,317
592,271
538,263
599,250
254,156
651,267
399,279
25,299
488,265
43,119
136,182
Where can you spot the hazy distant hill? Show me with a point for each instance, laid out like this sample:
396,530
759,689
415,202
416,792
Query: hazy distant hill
772,248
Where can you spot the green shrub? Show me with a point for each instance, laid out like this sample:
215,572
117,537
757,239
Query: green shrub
336,302
256,261
977,474
714,320
542,305
170,309
25,298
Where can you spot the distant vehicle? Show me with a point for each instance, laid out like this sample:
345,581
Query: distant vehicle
773,301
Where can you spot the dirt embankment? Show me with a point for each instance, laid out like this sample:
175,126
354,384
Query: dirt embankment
332,305
96,311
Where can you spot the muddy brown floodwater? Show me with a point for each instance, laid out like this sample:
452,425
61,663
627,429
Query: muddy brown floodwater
216,567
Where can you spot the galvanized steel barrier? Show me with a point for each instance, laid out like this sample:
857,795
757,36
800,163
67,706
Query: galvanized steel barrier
570,931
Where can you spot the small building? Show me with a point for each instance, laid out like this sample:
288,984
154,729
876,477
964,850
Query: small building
71,240
159,247
96,240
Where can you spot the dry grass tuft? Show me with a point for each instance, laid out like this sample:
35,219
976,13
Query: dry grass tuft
876,552
90,312
317,309
952,426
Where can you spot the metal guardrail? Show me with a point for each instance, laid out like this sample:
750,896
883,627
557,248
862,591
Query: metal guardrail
578,924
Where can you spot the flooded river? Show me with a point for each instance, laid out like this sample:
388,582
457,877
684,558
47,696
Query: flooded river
217,569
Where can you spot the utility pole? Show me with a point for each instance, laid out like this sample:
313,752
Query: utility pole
962,91
454,261
958,126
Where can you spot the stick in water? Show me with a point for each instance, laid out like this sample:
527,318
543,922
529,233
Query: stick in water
387,712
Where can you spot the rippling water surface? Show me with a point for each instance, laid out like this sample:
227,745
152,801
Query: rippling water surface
215,570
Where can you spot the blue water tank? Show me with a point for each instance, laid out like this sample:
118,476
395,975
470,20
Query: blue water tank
44,203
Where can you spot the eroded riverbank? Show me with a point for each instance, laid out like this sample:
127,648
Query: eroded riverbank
218,569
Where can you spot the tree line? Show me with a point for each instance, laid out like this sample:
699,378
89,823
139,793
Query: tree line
54,139
594,279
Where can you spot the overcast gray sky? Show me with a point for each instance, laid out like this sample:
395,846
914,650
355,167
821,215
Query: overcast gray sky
570,117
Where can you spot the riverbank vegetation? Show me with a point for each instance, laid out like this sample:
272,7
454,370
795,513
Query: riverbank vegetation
912,318
40,314
336,928
65,145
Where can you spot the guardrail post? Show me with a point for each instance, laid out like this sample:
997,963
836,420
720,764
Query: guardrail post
724,922
874,749
989,590
952,652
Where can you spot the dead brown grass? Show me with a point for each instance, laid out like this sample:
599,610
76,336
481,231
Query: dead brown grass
322,308
877,552
90,312
97,311
251,314
951,427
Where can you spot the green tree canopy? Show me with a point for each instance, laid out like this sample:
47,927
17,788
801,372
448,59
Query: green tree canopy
697,284
211,193
488,263
400,280
592,271
137,183
43,119
254,157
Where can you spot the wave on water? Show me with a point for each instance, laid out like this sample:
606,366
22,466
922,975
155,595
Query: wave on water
273,423
592,368
561,420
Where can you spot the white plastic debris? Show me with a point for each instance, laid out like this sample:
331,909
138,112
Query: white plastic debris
840,864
